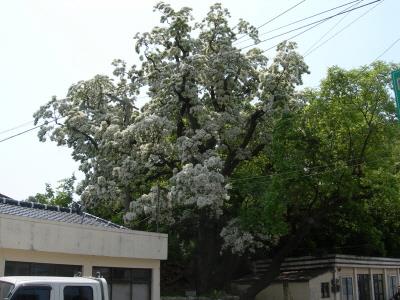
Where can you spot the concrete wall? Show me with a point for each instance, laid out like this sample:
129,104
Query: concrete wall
293,291
315,286
342,266
273,292
31,240
48,236
298,291
224,297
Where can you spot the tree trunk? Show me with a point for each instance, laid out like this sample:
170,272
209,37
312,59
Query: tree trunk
289,244
227,266
126,202
207,253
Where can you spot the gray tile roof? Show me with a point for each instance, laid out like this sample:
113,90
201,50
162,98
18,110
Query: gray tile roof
52,213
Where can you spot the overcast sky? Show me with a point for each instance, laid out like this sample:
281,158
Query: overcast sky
46,45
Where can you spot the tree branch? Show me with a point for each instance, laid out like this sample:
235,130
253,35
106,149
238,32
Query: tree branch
87,136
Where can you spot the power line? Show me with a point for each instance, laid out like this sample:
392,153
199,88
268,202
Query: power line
274,18
312,24
345,27
281,14
20,133
294,36
318,22
378,57
303,19
311,174
315,24
333,27
28,130
142,220
308,29
16,127
387,49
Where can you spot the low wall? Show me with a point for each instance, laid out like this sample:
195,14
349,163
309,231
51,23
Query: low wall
226,297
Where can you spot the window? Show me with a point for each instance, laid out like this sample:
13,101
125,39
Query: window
364,287
121,283
126,284
32,293
141,284
5,289
325,290
378,287
347,288
17,268
78,293
392,282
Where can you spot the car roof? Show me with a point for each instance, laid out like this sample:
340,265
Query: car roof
47,279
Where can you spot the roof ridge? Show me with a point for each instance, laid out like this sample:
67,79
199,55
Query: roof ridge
105,221
57,208
4,196
37,205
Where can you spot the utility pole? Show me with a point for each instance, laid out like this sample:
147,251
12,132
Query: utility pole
158,206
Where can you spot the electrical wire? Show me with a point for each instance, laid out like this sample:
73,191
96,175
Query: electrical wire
16,127
30,129
293,37
330,29
387,49
312,24
303,19
318,22
20,133
281,14
315,24
142,220
311,174
274,18
344,28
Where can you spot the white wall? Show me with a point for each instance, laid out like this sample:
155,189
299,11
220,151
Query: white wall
312,289
273,292
298,291
40,235
315,286
295,291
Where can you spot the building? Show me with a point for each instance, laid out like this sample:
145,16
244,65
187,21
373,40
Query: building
36,239
335,277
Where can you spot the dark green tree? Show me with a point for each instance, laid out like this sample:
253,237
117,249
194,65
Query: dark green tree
62,195
332,166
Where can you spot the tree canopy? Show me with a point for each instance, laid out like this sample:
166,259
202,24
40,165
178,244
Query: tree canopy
226,155
62,195
211,108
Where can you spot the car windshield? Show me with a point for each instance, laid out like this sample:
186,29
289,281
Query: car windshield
5,289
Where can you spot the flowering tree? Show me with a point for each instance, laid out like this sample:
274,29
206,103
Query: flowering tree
211,110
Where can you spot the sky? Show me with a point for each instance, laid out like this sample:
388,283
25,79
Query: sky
47,45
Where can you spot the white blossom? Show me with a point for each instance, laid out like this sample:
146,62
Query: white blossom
192,133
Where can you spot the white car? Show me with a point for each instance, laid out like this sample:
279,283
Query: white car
53,288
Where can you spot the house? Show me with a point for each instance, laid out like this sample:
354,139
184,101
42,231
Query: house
37,239
335,277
